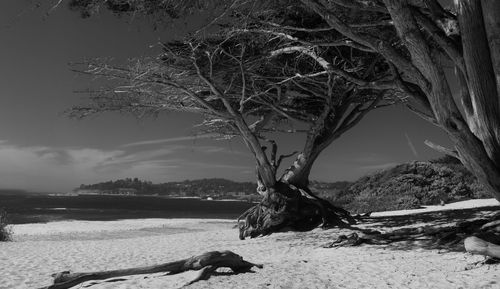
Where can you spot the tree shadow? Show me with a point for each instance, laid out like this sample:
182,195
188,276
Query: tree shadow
441,230
431,218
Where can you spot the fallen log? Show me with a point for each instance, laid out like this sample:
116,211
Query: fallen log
207,263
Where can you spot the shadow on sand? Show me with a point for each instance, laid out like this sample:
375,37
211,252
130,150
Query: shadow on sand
444,230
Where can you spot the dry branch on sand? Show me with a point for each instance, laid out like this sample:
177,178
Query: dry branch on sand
207,263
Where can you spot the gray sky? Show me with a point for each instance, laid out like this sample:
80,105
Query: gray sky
42,150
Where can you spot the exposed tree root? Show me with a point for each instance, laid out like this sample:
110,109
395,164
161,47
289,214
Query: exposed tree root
288,207
206,262
481,236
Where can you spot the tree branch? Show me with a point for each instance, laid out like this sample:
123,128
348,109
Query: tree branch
361,5
356,115
383,47
446,43
442,149
331,69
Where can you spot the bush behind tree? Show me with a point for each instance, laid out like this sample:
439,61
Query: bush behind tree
5,230
408,186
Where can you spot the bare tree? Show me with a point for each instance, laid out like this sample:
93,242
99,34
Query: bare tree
254,82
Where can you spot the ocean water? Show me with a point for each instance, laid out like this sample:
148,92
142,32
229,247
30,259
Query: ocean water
44,208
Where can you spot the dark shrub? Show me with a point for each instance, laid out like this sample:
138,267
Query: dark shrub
5,232
409,186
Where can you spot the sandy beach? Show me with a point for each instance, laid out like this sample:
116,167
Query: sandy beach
290,259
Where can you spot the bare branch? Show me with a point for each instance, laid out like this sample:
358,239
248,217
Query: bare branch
442,149
331,43
282,157
356,115
385,84
262,122
323,29
305,50
361,5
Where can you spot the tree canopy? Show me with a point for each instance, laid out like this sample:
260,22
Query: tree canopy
252,79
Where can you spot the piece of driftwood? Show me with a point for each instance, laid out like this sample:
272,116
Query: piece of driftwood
476,245
207,263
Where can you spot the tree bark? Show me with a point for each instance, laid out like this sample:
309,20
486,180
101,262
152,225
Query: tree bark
480,46
481,75
491,12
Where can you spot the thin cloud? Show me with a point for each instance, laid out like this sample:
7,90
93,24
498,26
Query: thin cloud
44,168
219,150
215,166
55,168
128,158
169,140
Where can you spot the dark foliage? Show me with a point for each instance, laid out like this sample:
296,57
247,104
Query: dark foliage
408,186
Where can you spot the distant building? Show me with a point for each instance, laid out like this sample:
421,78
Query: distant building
237,194
88,192
127,191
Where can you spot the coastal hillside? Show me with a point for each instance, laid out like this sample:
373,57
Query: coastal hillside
408,186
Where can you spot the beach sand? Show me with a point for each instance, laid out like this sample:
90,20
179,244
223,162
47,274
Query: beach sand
290,259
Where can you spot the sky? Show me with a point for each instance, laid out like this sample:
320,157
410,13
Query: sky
42,150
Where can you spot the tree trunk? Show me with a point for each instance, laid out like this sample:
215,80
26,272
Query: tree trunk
481,76
289,203
476,160
479,26
298,173
286,207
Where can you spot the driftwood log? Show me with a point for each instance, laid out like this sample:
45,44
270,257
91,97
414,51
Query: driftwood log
207,263
476,245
